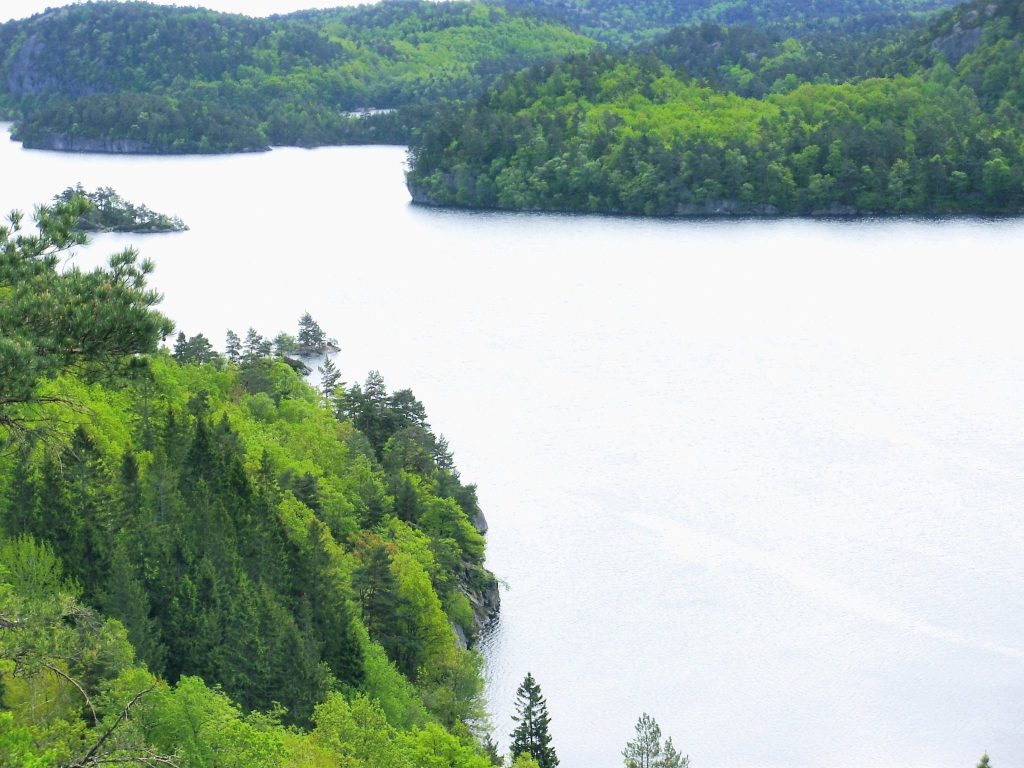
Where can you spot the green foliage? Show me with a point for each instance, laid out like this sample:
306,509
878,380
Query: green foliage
109,212
135,77
242,541
531,736
646,750
623,22
606,133
54,321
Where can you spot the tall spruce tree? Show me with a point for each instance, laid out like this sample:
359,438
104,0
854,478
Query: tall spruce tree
531,736
330,377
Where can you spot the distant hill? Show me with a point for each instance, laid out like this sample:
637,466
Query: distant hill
126,77
626,21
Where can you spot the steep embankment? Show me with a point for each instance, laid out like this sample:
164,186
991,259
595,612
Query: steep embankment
178,530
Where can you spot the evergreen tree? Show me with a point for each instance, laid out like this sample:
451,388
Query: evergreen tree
254,346
125,598
233,347
197,349
311,339
52,319
984,761
201,350
491,750
180,343
404,407
284,344
531,736
443,457
381,603
670,757
644,750
330,377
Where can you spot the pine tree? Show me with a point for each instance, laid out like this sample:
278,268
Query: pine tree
254,345
233,347
531,736
984,762
644,750
54,319
670,757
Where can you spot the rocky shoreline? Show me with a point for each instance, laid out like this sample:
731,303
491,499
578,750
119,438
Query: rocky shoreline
58,142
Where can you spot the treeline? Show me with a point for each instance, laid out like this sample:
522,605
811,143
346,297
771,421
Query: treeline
216,548
630,134
625,23
144,78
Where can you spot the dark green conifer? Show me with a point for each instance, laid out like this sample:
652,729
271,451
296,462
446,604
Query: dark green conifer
532,735
233,347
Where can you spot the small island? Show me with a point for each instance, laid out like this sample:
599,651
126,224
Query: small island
109,212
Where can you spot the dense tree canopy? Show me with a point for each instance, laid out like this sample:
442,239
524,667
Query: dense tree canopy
55,321
623,22
211,544
141,77
630,134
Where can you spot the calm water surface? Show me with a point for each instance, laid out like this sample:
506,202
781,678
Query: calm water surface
760,479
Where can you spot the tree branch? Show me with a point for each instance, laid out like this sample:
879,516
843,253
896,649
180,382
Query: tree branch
81,690
91,754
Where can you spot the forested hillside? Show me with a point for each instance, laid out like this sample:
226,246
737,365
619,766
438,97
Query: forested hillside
624,22
140,77
263,574
632,134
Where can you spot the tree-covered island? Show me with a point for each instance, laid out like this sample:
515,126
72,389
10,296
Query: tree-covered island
107,211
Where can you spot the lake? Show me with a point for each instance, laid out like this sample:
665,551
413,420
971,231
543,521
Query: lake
761,479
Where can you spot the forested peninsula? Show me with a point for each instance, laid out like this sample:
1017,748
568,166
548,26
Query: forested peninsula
927,122
204,560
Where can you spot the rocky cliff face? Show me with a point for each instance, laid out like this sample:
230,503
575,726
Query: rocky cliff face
485,598
22,78
481,589
61,143
966,33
